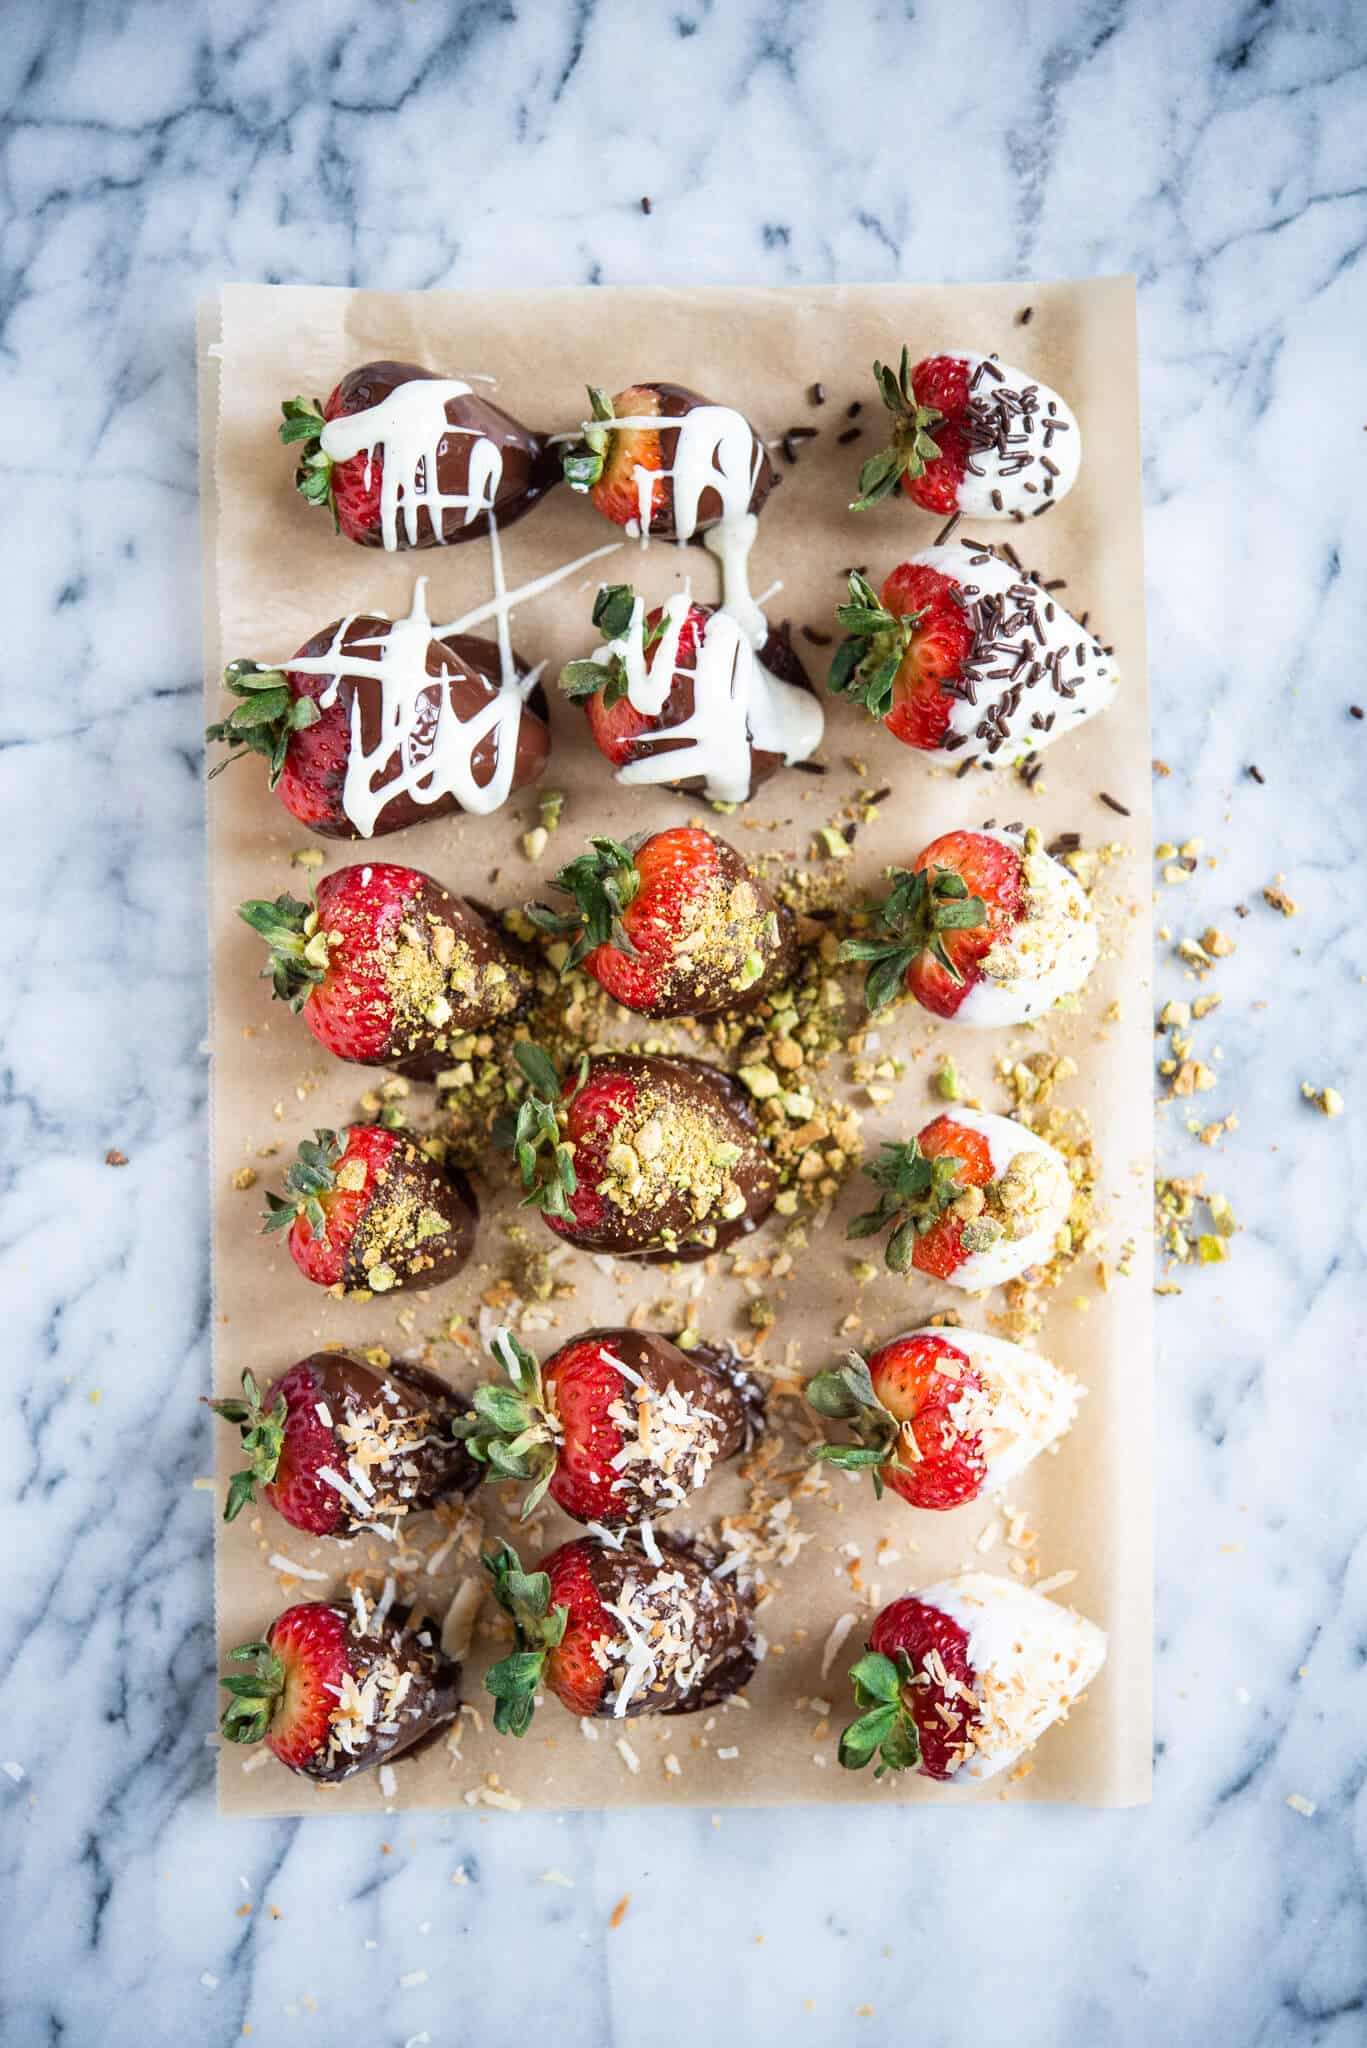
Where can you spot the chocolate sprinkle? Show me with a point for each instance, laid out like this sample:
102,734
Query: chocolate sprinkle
1067,842
817,394
1256,772
945,531
853,410
1356,710
850,434
645,206
817,639
1112,804
810,767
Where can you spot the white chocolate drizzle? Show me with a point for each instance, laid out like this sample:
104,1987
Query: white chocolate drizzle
410,425
737,703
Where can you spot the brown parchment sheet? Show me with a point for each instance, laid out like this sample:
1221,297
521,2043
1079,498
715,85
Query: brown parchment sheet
275,572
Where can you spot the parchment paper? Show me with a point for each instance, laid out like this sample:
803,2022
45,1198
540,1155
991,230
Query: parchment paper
276,572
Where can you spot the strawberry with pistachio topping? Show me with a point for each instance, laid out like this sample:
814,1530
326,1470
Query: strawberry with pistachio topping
645,1156
973,1199
367,1210
619,1629
985,927
406,458
334,1689
965,657
619,1425
974,436
672,924
942,1416
962,1678
388,967
337,1445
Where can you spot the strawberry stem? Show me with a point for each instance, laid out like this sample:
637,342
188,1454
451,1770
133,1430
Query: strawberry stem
263,1439
532,1133
885,1726
302,426
509,1429
866,662
526,1596
298,948
923,905
255,1694
313,1173
916,1193
584,461
912,445
267,718
602,884
846,1394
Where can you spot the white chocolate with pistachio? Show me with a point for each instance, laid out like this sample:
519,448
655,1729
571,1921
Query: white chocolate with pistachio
1047,954
1031,1196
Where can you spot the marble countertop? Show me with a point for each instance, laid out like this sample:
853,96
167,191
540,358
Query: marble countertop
149,153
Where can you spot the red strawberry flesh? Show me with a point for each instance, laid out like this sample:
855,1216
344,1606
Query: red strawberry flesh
942,1714
941,642
582,1387
573,1673
311,1642
920,1380
992,872
940,1252
941,382
323,1259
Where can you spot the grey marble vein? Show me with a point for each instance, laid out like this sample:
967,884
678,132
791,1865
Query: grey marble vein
150,150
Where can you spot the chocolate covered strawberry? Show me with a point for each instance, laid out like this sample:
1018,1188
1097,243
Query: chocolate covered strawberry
376,724
973,1199
962,656
660,459
406,458
672,923
335,1689
336,1445
942,1416
620,1426
645,1156
959,1680
367,1210
677,695
388,967
985,927
974,436
617,1630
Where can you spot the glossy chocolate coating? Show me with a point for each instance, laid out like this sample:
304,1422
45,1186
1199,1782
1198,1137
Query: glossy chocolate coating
723,1627
464,666
421,1049
437,1468
699,984
675,401
778,657
430,1705
708,1376
529,468
694,1088
408,1183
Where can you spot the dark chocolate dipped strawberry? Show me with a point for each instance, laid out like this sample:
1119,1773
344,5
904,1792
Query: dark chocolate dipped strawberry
337,1445
377,724
963,656
678,696
335,1688
672,924
646,1156
388,967
660,459
619,1425
616,1631
406,458
368,1211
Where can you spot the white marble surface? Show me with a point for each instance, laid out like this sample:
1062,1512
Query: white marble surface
1220,151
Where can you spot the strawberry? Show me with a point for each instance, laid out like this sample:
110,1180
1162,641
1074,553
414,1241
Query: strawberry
281,716
923,1185
930,445
686,1644
902,1405
353,485
619,1425
387,967
672,923
914,1688
332,1691
334,1413
943,917
367,1210
645,1156
904,651
629,470
601,686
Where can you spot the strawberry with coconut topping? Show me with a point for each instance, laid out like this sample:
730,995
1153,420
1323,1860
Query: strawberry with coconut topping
672,924
966,658
406,458
616,1630
387,967
332,1689
985,927
974,436
645,1156
943,1416
973,1199
619,1425
367,1211
961,1679
337,1445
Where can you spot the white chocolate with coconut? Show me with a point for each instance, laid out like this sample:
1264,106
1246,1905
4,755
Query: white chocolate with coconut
1032,1660
1019,1225
1042,430
1026,1405
1048,953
